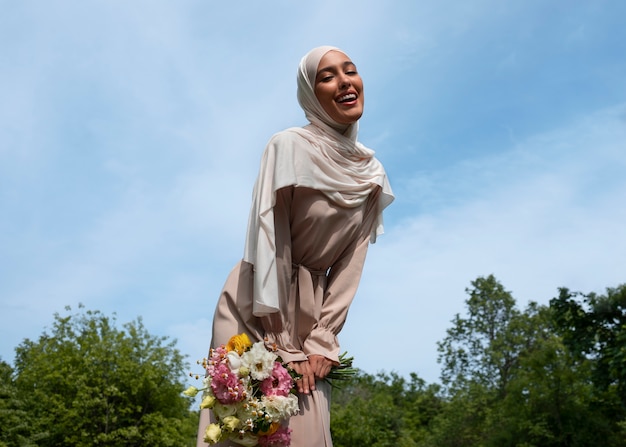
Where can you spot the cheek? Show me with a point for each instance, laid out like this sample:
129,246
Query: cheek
325,99
321,93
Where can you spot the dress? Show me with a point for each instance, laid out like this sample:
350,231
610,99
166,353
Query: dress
320,252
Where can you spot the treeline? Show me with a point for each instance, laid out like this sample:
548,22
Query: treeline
547,375
542,376
87,382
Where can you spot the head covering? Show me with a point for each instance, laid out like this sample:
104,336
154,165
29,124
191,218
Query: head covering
316,156
313,110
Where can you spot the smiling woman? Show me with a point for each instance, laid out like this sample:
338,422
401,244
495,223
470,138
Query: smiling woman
339,88
317,204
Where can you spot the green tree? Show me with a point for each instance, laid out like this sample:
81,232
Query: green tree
547,376
593,328
382,411
90,383
479,355
549,399
15,419
461,421
482,348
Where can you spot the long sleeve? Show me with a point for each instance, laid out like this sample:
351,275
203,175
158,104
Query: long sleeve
343,281
320,253
279,326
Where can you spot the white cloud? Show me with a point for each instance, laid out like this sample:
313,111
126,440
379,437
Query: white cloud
546,214
131,133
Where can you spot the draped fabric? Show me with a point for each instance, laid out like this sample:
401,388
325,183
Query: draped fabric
316,156
317,205
321,248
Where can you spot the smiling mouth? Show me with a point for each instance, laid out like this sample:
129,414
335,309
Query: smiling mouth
346,98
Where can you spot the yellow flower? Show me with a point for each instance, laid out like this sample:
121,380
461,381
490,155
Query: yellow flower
208,401
212,434
191,391
271,430
231,422
238,343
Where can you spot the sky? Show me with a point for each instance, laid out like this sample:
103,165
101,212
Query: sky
131,135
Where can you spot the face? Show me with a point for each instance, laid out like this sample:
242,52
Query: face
339,88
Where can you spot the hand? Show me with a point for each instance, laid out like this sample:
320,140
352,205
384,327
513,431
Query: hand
320,365
306,383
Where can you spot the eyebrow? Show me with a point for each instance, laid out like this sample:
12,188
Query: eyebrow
331,68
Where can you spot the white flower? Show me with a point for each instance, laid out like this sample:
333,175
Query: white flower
249,409
234,361
259,361
280,407
221,410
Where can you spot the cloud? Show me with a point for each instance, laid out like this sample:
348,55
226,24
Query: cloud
130,136
543,214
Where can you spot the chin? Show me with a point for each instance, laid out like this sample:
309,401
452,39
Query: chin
353,119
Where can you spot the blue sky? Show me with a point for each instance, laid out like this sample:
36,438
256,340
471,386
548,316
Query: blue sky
130,136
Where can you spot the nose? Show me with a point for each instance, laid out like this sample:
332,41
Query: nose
344,81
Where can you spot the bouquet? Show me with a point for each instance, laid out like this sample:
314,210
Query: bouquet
342,372
250,392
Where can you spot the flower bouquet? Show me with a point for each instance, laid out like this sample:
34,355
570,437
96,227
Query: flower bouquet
249,391
342,372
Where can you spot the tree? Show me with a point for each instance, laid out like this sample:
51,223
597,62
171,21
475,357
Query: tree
593,327
482,348
382,410
547,376
549,399
88,382
15,420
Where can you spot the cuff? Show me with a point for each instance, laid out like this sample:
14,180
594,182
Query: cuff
281,341
322,341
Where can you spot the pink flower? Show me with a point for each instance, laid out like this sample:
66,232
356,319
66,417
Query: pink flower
281,438
279,383
217,356
226,386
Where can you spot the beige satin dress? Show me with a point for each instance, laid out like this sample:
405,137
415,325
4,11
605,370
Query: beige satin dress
320,251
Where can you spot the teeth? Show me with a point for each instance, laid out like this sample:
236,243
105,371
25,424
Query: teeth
348,97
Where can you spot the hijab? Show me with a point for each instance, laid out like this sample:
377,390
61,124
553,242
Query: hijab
324,155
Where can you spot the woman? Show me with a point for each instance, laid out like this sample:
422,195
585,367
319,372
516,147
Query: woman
317,204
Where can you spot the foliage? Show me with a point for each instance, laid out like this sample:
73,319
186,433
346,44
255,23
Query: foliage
87,382
383,410
15,419
542,376
545,376
483,347
593,328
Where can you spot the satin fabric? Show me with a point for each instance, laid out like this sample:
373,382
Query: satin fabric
316,156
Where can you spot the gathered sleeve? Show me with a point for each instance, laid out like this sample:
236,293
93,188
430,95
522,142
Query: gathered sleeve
343,281
313,305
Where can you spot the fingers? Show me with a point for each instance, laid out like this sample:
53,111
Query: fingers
306,383
316,367
320,365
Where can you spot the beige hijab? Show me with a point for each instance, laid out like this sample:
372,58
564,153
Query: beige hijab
316,156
